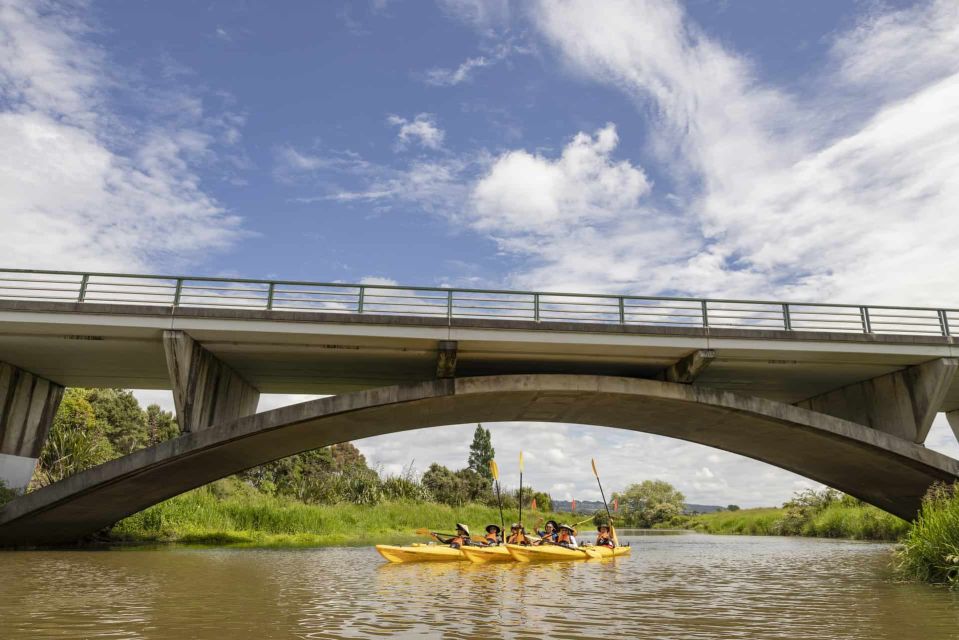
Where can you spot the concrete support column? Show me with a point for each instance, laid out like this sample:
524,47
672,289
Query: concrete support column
902,403
446,352
688,369
953,418
28,404
205,390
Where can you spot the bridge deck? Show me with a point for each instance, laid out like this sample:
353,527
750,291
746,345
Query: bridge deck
97,345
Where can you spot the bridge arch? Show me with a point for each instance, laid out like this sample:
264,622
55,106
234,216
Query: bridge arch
884,470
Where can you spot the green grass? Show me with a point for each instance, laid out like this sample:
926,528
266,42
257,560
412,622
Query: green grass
229,513
860,522
745,522
930,551
837,520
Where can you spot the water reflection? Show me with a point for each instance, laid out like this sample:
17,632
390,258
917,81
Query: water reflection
686,586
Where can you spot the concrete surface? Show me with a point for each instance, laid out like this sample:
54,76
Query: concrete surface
28,404
97,345
205,390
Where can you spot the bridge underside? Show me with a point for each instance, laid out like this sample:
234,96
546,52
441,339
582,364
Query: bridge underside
882,469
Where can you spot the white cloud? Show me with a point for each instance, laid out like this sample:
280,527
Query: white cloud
449,77
88,188
530,193
380,280
501,49
422,130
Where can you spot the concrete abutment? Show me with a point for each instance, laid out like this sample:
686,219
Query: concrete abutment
28,404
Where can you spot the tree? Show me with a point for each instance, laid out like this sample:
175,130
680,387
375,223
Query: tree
161,425
345,454
481,452
444,485
732,507
650,502
77,440
123,420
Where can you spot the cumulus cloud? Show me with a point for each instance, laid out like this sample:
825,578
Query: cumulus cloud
421,130
88,188
534,194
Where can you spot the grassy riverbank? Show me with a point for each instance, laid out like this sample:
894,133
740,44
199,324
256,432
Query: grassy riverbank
836,520
230,513
930,550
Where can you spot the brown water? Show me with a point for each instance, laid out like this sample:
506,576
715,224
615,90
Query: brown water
681,586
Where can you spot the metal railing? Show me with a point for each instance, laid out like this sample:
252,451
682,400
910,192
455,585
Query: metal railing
449,303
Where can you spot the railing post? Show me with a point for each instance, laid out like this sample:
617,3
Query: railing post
269,296
449,306
864,314
179,290
787,321
944,322
359,300
535,307
705,315
622,310
83,288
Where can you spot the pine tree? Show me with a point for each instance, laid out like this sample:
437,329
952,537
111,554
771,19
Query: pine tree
481,452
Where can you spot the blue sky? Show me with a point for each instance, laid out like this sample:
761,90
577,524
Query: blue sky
775,149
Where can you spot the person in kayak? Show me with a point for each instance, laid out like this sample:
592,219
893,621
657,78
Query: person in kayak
461,539
550,534
566,537
603,537
517,535
493,535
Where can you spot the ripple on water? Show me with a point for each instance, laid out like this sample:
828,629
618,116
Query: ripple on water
687,586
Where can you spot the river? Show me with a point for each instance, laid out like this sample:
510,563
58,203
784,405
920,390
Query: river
673,587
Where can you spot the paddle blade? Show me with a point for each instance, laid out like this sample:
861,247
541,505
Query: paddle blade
422,532
521,462
592,553
494,469
595,472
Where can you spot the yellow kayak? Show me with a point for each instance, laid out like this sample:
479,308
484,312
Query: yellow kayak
420,553
482,555
611,552
552,553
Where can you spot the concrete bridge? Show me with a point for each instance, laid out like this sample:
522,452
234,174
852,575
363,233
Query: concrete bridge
843,394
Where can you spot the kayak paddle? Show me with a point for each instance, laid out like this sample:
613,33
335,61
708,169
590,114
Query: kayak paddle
612,530
494,469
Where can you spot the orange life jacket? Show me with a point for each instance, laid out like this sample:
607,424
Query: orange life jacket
458,541
492,538
563,537
604,540
517,538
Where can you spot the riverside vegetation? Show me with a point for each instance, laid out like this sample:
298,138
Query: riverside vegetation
324,497
820,514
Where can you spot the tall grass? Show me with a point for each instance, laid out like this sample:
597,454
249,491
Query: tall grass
230,512
835,520
930,551
746,522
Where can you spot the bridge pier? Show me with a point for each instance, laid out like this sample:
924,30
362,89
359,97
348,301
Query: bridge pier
205,390
28,404
902,403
